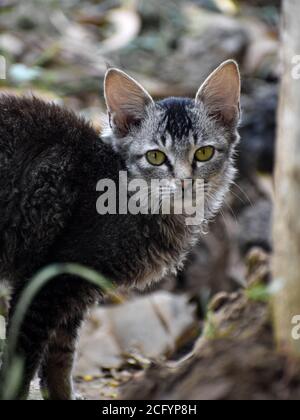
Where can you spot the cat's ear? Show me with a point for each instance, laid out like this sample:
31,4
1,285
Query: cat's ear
126,101
221,92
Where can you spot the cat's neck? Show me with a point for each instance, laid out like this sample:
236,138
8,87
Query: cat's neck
177,232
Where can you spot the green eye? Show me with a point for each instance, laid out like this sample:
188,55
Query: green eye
204,154
156,157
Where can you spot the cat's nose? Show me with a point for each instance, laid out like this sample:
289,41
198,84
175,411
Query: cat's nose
186,183
183,171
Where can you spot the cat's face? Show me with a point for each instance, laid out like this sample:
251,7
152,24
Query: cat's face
178,139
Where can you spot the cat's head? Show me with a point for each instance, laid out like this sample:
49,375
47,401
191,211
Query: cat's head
177,138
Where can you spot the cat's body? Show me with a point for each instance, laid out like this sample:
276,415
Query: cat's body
50,163
48,198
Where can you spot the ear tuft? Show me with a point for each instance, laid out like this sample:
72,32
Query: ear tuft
126,100
221,92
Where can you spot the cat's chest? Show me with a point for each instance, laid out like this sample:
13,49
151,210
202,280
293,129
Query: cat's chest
167,254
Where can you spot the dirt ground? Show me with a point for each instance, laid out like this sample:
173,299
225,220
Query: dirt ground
235,358
239,363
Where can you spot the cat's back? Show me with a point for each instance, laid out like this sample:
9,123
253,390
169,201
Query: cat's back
36,133
29,120
45,151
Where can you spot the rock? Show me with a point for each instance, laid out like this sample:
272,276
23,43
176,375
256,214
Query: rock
20,73
97,347
150,326
11,44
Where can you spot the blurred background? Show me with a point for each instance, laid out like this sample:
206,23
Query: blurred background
60,50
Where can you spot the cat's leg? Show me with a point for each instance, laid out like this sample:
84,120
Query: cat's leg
57,366
31,343
63,299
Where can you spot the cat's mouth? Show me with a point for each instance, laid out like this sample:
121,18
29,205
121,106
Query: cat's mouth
177,197
164,196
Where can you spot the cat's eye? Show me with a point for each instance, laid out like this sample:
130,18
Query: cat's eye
204,154
156,157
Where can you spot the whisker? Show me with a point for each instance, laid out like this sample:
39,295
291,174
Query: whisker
238,197
243,192
228,206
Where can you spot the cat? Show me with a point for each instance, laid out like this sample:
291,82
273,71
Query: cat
50,163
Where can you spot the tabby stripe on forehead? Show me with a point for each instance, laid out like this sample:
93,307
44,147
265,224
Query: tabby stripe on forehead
163,139
176,119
